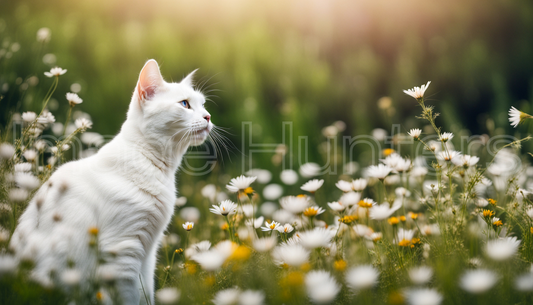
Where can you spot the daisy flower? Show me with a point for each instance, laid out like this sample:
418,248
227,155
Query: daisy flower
252,297
287,228
310,169
73,99
366,203
502,249
188,225
524,282
316,238
336,206
270,226
423,296
225,208
417,92
404,237
293,255
478,281
496,222
349,199
312,185
517,117
43,35
83,123
227,296
29,116
209,260
322,288
415,133
265,244
55,72
295,205
359,184
362,277
256,223
448,155
465,160
46,118
379,171
344,186
446,136
289,176
240,183
380,212
167,295
313,211
420,275
30,155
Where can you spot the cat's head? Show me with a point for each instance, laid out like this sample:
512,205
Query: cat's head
171,112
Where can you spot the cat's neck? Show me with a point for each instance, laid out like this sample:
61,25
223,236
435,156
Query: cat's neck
160,151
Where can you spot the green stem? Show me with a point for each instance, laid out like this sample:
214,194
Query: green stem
68,119
49,94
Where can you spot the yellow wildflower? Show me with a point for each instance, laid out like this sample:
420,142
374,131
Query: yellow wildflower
388,151
488,213
340,265
93,231
249,190
393,221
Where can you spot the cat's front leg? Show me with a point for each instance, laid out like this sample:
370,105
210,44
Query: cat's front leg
126,259
128,290
147,276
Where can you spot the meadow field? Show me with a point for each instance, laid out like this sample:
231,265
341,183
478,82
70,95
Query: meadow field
370,152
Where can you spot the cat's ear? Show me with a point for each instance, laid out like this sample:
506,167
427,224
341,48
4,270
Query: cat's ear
188,80
149,80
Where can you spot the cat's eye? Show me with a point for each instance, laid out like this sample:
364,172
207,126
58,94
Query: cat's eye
185,103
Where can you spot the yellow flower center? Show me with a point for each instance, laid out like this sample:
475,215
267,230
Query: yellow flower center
241,253
301,196
249,190
310,212
348,219
393,221
272,226
402,218
492,201
340,265
93,230
413,216
404,243
364,204
497,223
388,151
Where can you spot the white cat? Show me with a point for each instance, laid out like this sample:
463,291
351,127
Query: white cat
126,191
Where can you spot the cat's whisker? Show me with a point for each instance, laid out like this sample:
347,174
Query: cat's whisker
222,140
204,83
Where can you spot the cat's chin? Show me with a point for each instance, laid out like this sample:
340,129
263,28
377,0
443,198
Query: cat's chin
198,137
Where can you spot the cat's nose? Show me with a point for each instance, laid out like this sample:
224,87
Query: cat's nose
207,118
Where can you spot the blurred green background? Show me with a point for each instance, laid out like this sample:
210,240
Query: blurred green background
308,62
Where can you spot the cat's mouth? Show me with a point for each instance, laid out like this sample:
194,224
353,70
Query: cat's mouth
200,134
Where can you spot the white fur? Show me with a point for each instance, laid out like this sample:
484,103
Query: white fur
127,190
